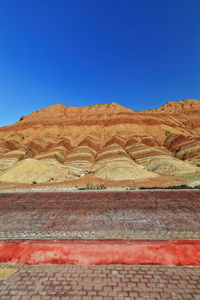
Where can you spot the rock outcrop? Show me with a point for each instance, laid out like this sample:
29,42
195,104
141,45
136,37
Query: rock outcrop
108,140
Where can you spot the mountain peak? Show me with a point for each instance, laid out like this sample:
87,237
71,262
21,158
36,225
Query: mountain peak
58,106
60,112
186,105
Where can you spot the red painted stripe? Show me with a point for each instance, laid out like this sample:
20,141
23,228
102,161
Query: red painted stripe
96,252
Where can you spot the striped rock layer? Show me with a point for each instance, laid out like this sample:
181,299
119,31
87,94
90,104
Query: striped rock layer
112,142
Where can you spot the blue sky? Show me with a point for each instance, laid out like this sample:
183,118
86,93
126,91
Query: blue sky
139,53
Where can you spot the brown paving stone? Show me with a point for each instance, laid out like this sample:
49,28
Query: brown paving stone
59,282
156,214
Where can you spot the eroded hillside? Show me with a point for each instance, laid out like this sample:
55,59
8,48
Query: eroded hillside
60,143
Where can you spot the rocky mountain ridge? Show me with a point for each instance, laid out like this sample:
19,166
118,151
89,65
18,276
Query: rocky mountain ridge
184,106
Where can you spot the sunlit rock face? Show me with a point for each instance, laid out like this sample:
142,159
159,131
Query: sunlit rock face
108,140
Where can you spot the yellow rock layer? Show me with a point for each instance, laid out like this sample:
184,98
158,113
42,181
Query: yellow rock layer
35,171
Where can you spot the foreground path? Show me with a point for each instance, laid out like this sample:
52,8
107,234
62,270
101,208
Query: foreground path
100,283
123,214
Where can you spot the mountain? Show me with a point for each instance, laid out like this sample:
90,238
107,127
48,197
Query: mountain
177,107
106,141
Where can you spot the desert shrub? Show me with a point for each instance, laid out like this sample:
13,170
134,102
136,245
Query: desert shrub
91,186
173,187
22,118
34,182
196,187
179,187
101,187
51,179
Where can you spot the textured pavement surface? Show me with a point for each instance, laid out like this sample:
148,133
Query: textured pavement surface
101,283
151,214
131,214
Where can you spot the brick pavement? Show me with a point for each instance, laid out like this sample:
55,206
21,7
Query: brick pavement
131,214
101,283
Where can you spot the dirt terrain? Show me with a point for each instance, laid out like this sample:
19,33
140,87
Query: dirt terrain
103,144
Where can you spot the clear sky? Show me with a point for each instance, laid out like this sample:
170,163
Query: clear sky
138,53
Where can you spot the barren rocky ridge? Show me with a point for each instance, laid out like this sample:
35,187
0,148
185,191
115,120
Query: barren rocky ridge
106,141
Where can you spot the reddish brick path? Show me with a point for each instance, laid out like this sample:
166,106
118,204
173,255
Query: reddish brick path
102,283
156,214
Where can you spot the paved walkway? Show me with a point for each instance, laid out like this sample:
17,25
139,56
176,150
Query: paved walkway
128,214
101,283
